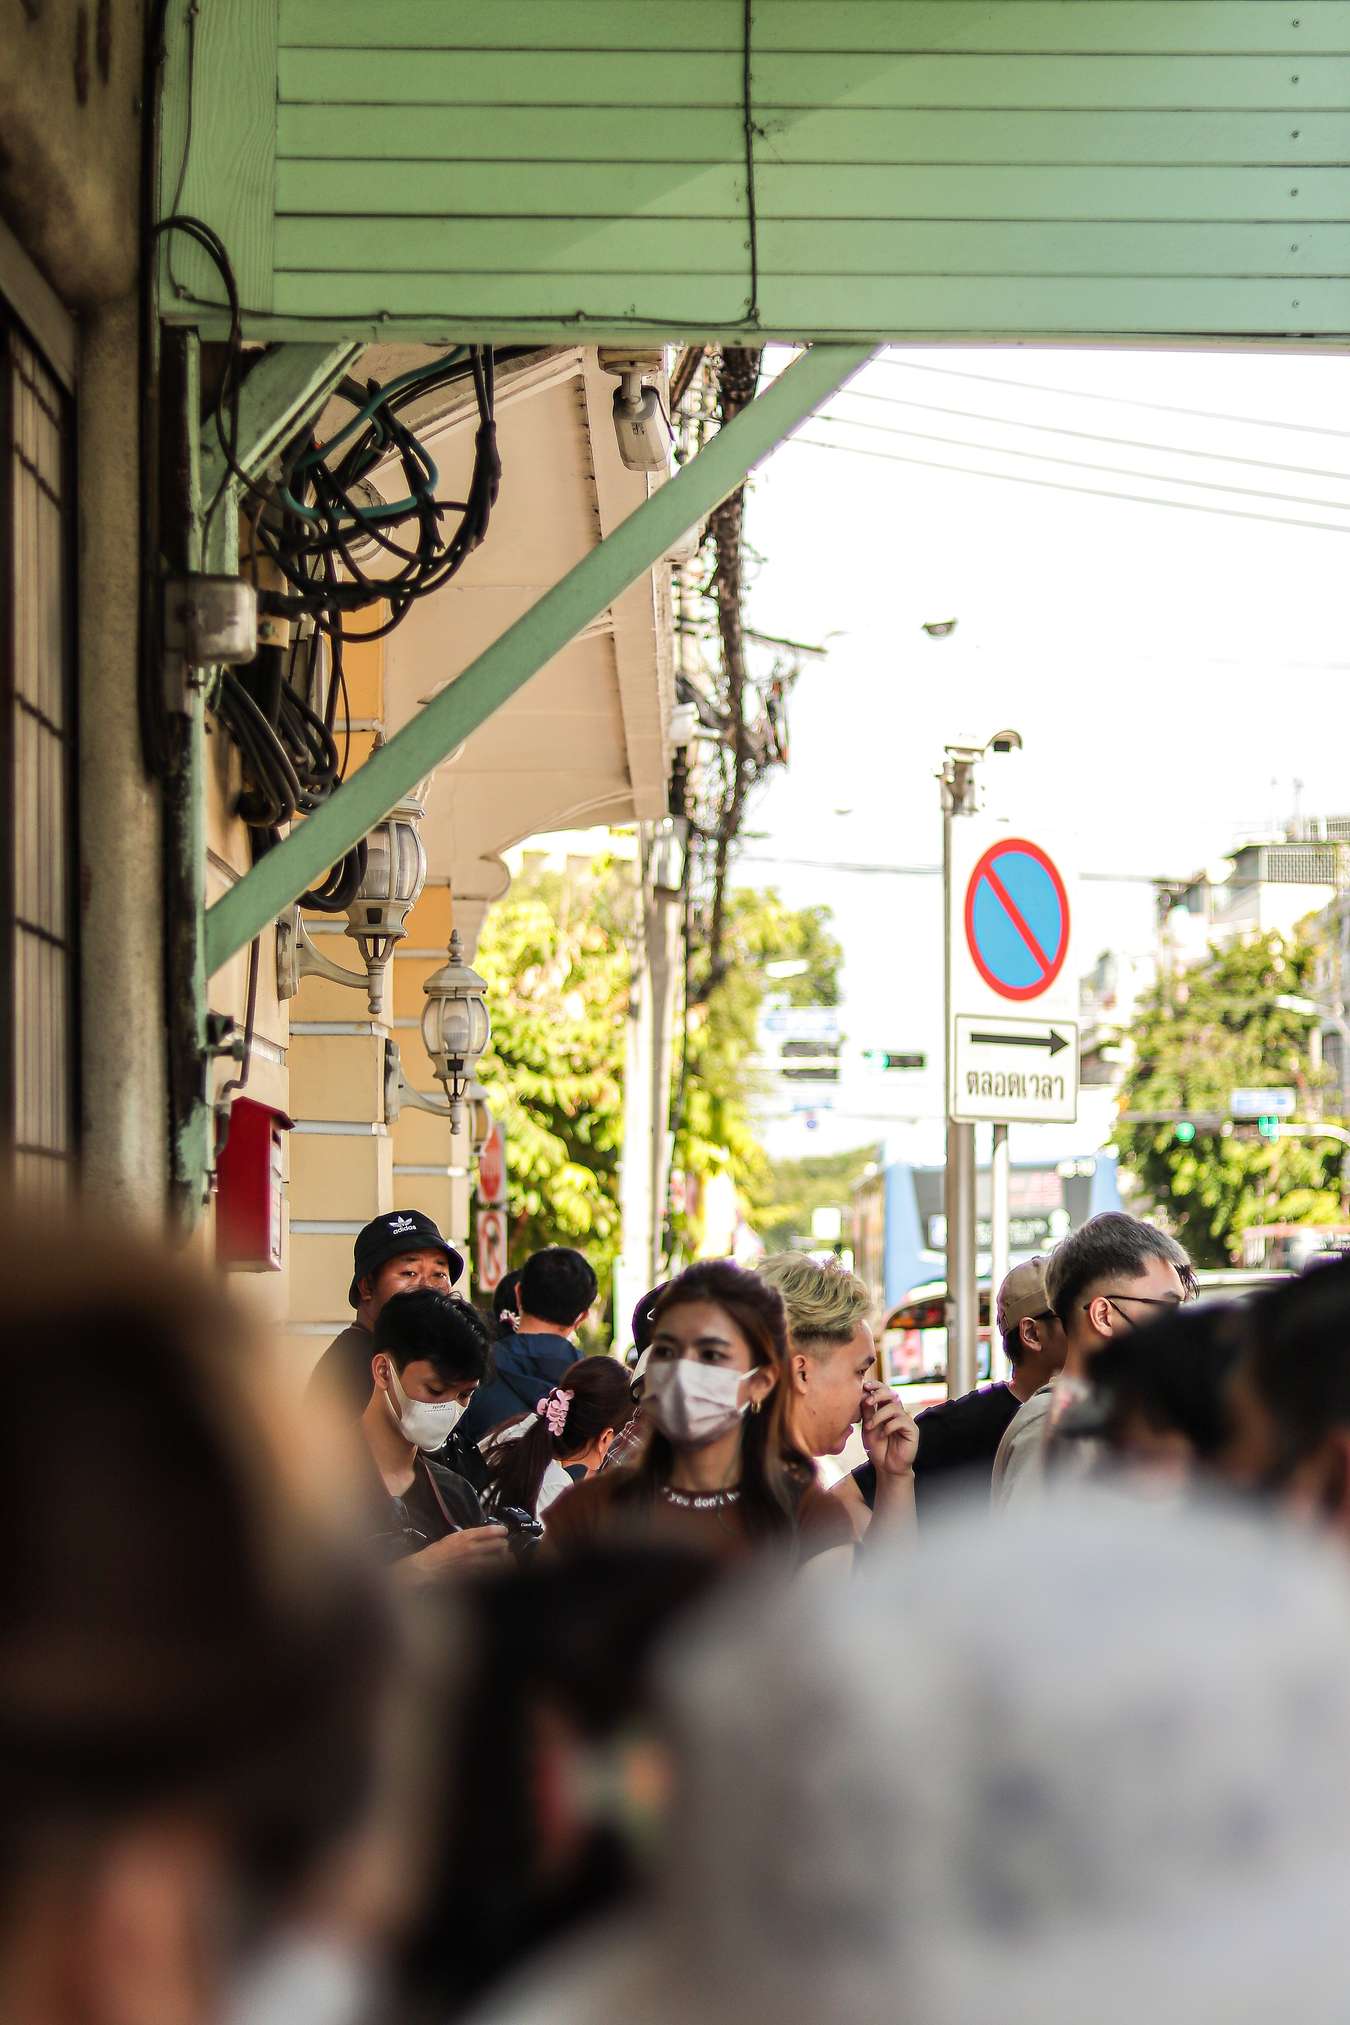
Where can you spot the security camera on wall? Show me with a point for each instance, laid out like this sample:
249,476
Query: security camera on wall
640,422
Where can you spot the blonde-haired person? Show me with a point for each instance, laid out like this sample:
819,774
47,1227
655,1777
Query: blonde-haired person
833,1383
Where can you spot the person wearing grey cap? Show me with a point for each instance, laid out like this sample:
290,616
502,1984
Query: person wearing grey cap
394,1254
959,1438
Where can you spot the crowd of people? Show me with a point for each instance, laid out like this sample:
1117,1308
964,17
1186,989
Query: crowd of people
491,1679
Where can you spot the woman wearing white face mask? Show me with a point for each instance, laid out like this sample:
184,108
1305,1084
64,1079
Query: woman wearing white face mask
431,1351
721,1471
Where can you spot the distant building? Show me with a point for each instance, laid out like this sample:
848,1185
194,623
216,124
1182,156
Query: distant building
1331,989
1108,997
1267,883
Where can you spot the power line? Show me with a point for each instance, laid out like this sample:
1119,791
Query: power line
841,865
1092,435
1058,485
1081,464
876,866
1115,400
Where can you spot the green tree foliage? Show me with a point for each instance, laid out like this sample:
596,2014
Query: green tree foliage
1196,1038
782,1205
723,1075
555,956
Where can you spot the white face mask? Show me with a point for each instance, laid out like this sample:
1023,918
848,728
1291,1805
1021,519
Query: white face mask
311,1977
692,1403
428,1424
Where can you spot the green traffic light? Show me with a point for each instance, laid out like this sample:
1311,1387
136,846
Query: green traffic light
1184,1132
1268,1127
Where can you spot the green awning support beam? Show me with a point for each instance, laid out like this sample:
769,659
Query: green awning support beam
279,879
286,389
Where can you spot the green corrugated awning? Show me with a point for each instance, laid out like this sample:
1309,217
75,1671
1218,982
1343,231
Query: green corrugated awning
819,169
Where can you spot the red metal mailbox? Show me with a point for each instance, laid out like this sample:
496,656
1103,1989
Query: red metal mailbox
249,1177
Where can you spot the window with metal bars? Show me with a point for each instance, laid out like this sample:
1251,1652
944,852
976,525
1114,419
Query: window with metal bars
38,981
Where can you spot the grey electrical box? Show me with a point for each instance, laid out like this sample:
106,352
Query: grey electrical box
210,621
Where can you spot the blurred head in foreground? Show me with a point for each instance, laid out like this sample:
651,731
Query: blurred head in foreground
190,1664
1289,1398
1159,1399
1092,1763
555,1780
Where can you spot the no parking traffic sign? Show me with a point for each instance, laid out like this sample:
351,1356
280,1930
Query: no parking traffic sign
1014,1005
1017,919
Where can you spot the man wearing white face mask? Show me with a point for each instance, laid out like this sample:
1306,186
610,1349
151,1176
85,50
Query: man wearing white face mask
431,1353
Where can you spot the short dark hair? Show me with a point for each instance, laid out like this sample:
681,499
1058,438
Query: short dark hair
1174,1372
1110,1244
557,1285
1299,1354
1014,1349
643,1315
425,1327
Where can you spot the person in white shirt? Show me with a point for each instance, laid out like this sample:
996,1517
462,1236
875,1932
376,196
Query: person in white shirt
1116,1273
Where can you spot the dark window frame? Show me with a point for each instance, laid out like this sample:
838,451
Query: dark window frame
24,363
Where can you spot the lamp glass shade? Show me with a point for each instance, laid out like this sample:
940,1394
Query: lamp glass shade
455,1028
396,871
455,1023
396,862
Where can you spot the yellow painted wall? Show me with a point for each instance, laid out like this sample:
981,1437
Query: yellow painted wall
340,1173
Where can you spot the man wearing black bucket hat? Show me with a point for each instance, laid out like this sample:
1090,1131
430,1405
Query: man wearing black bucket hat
394,1254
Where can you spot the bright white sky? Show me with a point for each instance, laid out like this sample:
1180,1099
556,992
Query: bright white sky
1173,673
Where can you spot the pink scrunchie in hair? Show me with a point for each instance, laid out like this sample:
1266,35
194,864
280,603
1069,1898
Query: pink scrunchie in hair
553,1407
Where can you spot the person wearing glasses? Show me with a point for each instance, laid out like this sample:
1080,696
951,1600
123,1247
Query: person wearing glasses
1117,1273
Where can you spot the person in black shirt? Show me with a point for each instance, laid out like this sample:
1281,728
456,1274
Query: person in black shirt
959,1438
394,1254
430,1354
554,1297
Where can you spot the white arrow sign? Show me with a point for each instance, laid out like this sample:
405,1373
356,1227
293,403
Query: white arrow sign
1014,1071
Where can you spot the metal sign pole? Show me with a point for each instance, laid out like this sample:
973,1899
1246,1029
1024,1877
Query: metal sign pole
998,1242
957,779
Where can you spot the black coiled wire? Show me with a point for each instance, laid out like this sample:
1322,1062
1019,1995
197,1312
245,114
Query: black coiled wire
312,525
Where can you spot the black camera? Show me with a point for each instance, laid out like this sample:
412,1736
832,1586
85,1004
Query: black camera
523,1530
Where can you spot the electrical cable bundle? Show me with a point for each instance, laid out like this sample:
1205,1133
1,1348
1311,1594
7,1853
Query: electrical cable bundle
321,524
323,520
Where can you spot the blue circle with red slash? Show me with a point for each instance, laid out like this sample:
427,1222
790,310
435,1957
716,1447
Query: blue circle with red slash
1017,919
